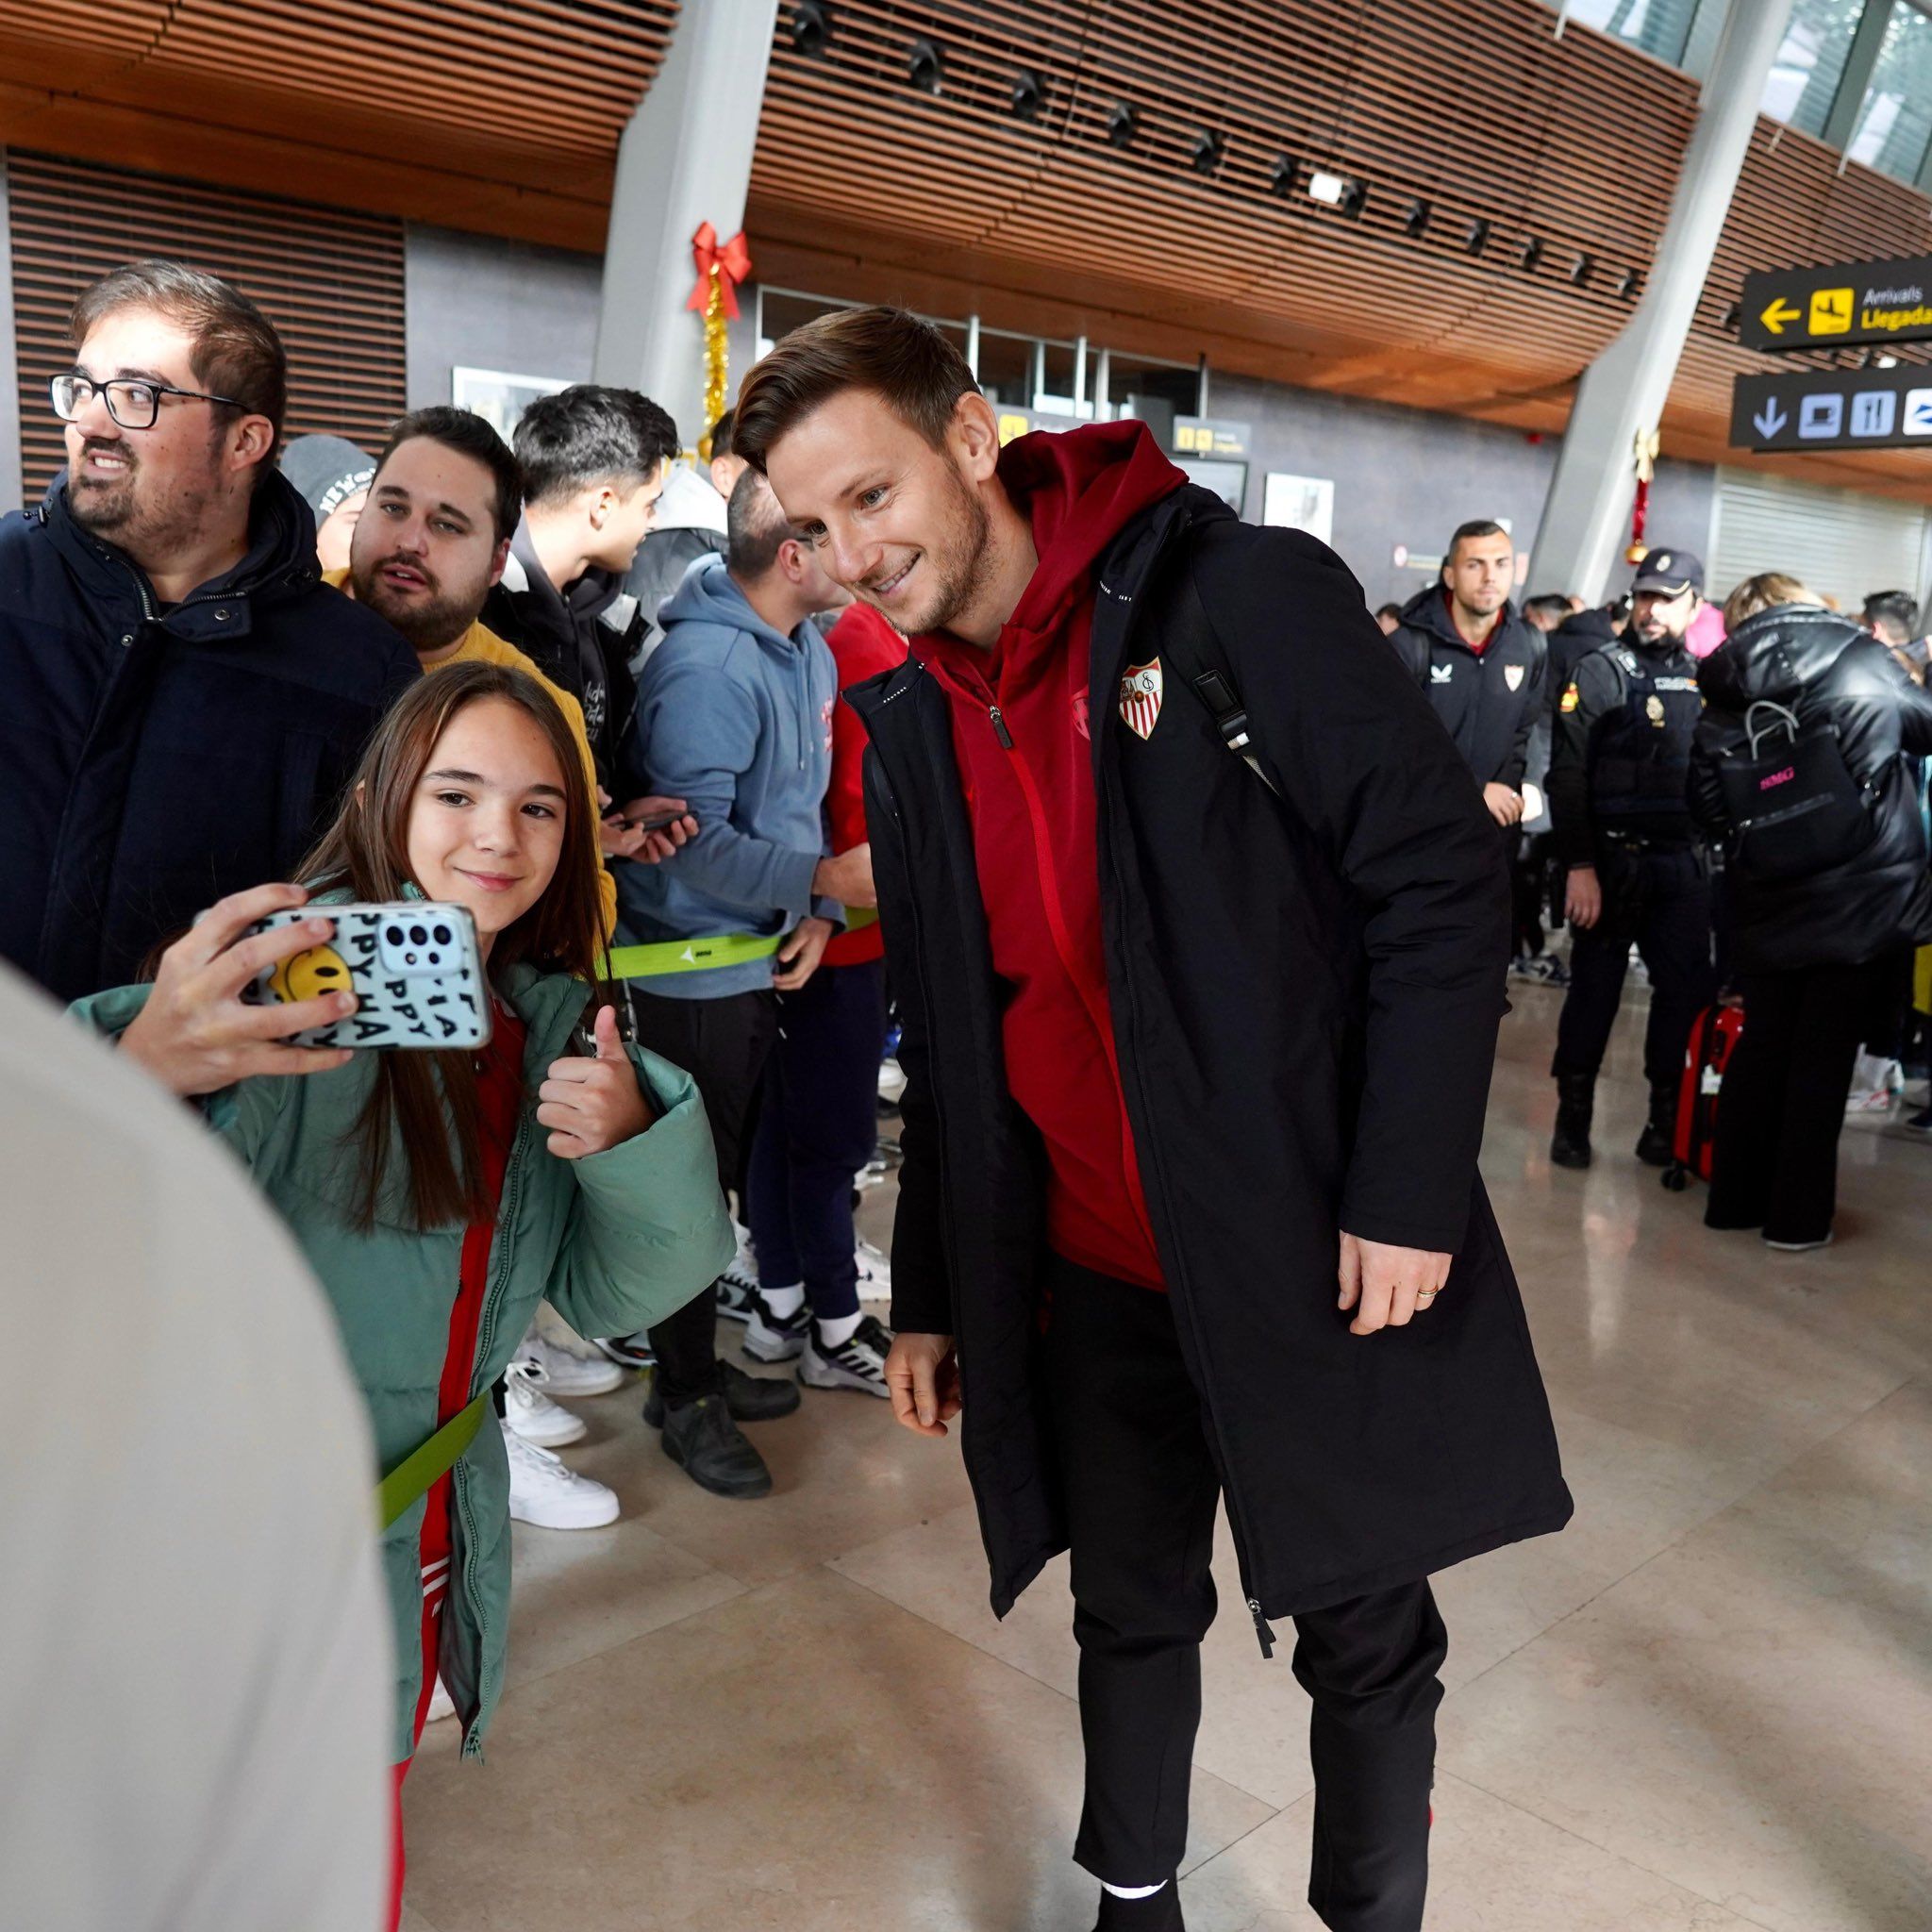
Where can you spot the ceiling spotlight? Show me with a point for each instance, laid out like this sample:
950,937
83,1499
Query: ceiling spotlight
926,66
1529,255
1339,192
1028,95
1282,172
1415,220
1204,151
1728,321
1581,269
811,27
1885,362
1626,284
1476,238
1123,124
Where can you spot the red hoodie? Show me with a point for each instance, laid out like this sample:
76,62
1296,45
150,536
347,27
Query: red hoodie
863,643
1028,779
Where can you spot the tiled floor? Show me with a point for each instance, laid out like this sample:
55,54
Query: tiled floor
1706,1707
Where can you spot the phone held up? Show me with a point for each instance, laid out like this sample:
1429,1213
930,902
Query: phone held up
415,968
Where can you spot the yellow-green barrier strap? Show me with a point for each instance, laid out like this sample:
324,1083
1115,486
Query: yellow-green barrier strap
700,956
415,1474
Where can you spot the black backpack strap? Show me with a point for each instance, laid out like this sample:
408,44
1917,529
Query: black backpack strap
1190,646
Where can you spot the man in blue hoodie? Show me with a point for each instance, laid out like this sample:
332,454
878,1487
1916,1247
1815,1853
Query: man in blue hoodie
735,717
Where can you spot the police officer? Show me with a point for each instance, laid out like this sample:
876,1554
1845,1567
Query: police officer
1636,871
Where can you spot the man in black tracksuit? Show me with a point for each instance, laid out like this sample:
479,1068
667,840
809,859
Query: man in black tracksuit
1255,1031
1620,769
1480,665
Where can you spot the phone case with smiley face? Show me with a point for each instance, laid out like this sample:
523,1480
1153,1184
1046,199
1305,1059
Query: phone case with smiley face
415,969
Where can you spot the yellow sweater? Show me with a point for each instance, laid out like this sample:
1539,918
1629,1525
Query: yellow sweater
479,645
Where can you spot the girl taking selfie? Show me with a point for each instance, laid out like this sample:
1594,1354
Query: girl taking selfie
440,1195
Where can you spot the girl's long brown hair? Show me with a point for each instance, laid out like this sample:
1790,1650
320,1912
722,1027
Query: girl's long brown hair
427,1102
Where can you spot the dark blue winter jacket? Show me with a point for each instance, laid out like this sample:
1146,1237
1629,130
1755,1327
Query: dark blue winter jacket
153,760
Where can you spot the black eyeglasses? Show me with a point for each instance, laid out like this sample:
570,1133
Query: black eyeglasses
132,402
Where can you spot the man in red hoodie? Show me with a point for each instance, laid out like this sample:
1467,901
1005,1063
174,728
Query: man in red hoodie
1197,1049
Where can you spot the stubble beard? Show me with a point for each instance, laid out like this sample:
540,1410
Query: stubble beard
961,571
427,625
149,521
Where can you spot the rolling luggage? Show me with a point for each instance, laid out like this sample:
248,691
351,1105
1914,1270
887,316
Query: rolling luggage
1714,1036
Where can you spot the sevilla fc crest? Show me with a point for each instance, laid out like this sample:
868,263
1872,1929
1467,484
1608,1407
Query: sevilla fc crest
1141,698
1512,677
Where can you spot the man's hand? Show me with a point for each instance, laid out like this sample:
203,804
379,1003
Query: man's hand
1386,1285
847,878
652,848
1506,805
923,1378
1583,898
799,957
197,1035
594,1103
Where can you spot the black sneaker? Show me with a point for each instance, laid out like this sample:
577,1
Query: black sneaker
770,1338
631,1351
858,1362
711,1449
1160,1912
747,1398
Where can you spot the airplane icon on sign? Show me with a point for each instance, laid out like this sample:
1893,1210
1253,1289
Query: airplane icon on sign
1831,311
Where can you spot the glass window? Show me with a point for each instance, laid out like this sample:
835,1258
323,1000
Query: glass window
1896,122
1810,64
1660,28
1005,368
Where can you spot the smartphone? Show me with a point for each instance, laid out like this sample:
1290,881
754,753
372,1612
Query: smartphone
415,967
654,822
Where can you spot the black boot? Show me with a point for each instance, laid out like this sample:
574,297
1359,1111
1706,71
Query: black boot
1160,1913
1656,1145
1575,1108
711,1449
749,1398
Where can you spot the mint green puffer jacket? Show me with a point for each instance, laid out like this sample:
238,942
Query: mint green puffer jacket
615,1241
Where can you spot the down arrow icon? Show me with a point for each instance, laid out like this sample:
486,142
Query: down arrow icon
1770,419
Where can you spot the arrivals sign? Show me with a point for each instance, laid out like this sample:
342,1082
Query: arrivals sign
1835,307
1834,408
1211,436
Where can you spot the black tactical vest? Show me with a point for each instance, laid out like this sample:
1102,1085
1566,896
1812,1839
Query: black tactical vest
1639,765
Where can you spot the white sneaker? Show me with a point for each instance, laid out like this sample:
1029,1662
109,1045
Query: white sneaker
874,1272
544,1493
736,1289
858,1362
567,1371
1869,1100
532,1414
441,1705
891,1080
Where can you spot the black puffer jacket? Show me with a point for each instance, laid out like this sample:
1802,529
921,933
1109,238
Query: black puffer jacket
1828,670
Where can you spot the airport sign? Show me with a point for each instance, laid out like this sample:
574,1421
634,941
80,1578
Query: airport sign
1834,408
1838,307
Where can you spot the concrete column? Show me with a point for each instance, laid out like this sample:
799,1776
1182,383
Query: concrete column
1587,513
685,159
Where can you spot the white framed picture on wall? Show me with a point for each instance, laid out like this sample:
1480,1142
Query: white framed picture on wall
499,397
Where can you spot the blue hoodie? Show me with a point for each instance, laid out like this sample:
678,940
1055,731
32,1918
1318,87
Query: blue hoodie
736,719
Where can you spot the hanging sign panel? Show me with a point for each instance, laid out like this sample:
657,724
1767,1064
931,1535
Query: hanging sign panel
1835,307
1834,408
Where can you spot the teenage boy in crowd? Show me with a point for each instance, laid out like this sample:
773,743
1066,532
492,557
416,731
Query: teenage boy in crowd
818,1122
1195,1082
735,717
180,698
333,477
689,524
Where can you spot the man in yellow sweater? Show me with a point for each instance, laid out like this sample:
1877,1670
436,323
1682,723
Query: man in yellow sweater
432,538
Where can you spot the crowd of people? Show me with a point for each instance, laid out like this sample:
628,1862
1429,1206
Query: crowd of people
874,721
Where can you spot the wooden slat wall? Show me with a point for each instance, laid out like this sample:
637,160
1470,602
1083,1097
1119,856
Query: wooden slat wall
330,281
1473,106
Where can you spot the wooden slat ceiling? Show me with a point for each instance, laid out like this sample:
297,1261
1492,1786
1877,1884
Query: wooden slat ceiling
1472,105
330,281
498,114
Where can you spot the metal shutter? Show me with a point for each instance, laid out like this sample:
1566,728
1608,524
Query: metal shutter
330,281
1841,544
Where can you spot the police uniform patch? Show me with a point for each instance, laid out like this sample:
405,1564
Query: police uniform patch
1570,700
1653,710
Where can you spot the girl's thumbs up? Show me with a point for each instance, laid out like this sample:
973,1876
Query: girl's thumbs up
609,1046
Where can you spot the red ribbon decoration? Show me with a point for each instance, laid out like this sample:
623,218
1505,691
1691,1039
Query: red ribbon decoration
732,261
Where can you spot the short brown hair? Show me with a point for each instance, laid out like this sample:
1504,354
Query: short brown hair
237,353
1761,592
892,353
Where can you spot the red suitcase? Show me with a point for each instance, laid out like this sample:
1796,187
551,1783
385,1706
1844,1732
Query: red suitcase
1714,1036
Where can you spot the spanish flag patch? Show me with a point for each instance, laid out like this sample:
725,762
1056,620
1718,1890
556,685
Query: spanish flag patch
1571,699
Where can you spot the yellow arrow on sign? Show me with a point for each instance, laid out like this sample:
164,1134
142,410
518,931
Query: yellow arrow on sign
1778,314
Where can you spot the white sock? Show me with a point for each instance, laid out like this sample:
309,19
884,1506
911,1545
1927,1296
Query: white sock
1133,1891
837,1334
785,1302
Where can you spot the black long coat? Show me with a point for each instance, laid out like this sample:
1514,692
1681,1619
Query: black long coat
1304,1003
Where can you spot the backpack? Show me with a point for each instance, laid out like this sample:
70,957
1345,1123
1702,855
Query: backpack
1794,808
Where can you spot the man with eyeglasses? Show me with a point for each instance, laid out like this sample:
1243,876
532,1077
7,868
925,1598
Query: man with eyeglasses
181,698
